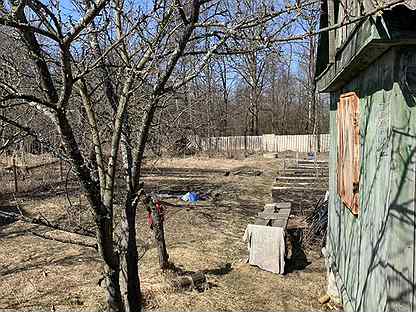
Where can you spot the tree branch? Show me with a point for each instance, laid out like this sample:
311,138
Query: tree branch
85,21
64,240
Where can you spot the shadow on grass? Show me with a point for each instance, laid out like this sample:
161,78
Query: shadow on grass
298,259
40,261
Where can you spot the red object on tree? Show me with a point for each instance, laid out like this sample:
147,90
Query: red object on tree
160,211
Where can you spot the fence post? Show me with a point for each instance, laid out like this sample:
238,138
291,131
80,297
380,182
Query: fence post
319,136
61,171
15,174
264,143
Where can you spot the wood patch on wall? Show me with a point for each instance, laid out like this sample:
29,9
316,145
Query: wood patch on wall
348,158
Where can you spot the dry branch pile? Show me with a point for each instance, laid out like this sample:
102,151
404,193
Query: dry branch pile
315,234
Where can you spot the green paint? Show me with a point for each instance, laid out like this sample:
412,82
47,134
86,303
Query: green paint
374,252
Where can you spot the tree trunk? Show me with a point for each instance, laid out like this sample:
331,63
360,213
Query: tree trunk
128,281
111,263
129,278
159,237
112,289
161,246
256,116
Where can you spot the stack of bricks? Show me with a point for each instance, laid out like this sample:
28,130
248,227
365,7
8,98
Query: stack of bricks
276,214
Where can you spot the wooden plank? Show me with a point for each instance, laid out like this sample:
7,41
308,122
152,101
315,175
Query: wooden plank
271,206
269,144
311,162
284,189
307,185
309,168
301,179
312,167
303,169
279,218
300,173
348,165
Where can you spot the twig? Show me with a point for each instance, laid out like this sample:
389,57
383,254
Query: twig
39,221
17,204
41,165
66,186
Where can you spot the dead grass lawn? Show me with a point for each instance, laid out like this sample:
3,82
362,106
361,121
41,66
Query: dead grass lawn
207,236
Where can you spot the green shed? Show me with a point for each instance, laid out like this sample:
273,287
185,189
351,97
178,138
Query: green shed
367,63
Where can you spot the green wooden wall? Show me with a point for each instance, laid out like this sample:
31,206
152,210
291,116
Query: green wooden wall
373,255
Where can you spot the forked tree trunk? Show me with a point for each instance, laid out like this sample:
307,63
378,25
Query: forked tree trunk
129,282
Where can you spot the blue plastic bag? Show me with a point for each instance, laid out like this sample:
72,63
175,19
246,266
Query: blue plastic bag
191,197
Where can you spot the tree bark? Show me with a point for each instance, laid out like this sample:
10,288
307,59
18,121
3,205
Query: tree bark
159,233
129,278
111,259
112,287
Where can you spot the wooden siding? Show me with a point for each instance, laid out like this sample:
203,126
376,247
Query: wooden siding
361,43
373,255
400,269
356,53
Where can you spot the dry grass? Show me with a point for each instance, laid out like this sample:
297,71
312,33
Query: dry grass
33,171
39,273
207,236
204,162
25,159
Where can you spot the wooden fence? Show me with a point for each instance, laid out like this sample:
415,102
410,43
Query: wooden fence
265,143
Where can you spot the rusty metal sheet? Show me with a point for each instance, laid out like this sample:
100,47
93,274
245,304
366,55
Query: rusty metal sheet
348,158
